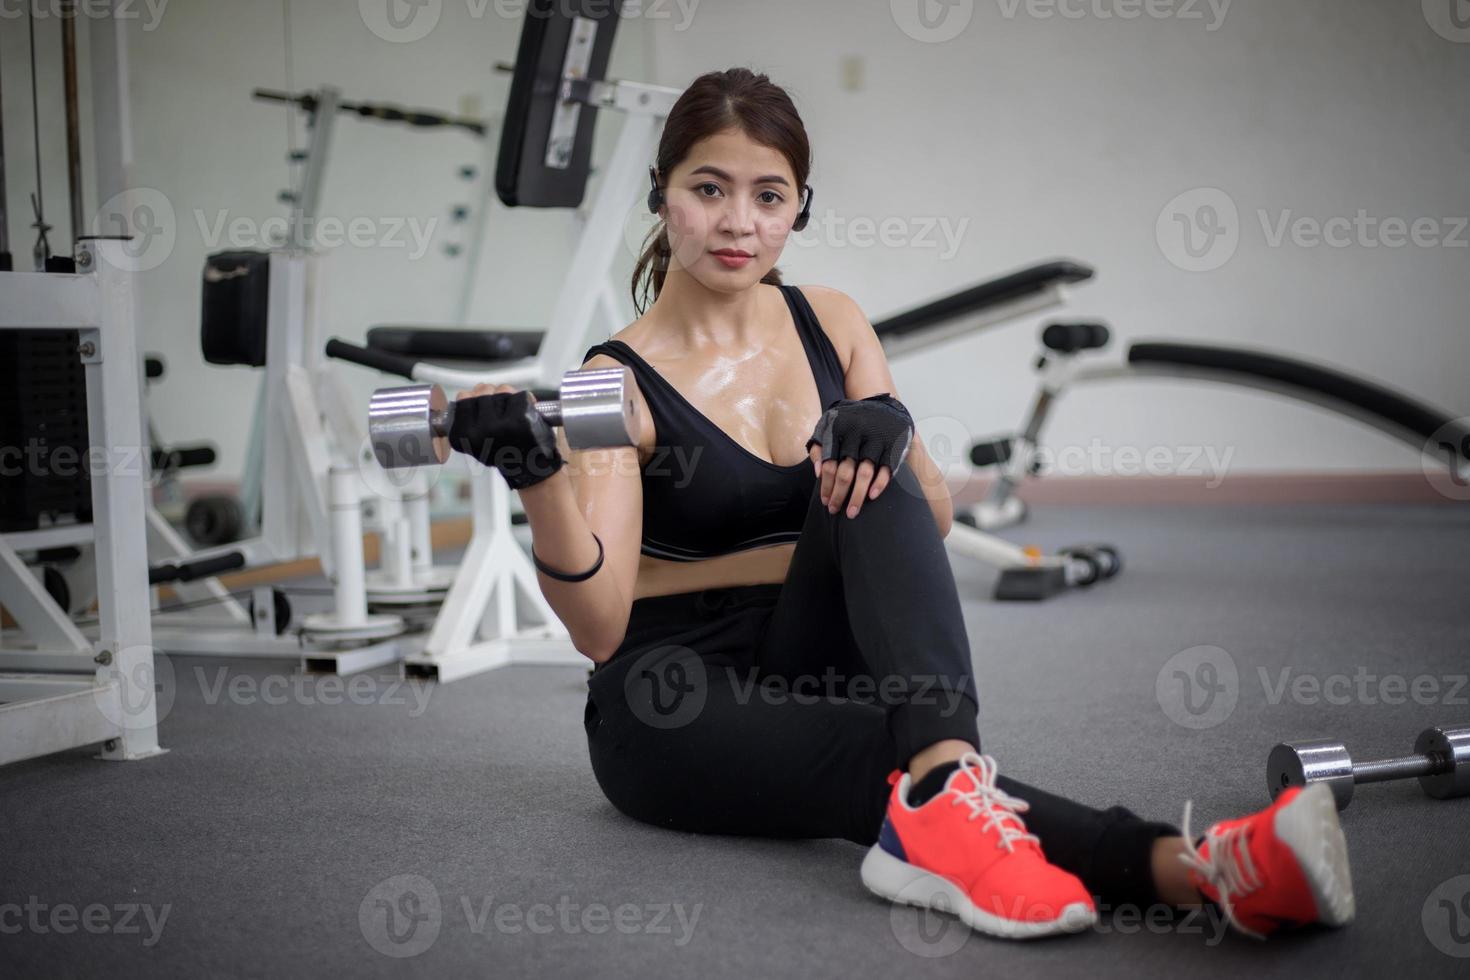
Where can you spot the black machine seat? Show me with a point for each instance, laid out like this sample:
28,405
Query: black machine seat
989,294
456,344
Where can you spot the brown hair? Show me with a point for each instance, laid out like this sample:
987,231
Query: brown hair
719,100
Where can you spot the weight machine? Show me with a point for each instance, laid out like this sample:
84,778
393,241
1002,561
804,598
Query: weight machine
307,474
494,613
63,687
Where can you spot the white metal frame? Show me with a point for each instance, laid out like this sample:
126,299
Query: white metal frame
93,690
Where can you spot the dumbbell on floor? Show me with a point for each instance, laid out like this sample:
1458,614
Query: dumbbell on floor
409,426
1093,563
1441,761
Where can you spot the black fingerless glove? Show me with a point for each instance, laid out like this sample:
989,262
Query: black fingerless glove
877,428
507,432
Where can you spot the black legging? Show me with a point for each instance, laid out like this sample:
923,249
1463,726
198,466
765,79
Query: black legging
780,710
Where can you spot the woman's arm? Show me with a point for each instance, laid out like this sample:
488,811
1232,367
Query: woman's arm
598,491
867,373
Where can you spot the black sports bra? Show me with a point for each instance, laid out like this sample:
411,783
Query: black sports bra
704,494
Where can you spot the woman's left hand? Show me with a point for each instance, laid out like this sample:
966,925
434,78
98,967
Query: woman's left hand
837,477
856,446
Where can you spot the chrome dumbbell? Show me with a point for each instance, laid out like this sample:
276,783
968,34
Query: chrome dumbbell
1441,762
409,426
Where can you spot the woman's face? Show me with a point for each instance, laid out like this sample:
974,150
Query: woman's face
730,206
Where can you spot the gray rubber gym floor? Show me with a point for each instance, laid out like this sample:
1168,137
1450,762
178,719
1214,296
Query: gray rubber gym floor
264,842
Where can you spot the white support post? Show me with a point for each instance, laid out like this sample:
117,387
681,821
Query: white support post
310,457
416,505
349,622
280,525
346,537
395,547
119,503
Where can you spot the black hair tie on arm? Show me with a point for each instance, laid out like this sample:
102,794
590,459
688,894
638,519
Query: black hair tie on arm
562,576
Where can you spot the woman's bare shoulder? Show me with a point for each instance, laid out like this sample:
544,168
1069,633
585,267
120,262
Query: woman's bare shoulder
842,308
840,318
631,335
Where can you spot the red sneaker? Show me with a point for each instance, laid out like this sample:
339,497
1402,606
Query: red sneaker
991,874
1284,866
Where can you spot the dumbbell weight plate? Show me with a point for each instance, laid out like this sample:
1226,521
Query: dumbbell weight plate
1453,744
1112,561
1107,558
1091,567
1317,761
597,409
214,519
402,434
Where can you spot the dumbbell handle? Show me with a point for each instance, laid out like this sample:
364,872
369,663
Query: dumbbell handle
440,422
1407,767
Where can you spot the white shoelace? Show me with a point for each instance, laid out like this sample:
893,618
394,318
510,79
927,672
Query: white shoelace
1228,868
1001,811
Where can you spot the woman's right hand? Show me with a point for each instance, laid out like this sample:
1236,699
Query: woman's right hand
500,426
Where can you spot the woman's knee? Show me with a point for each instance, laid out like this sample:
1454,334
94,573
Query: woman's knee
903,499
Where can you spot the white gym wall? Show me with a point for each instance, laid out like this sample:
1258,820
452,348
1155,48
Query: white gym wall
1041,129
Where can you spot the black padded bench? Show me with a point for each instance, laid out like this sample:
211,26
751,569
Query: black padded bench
1014,287
456,344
